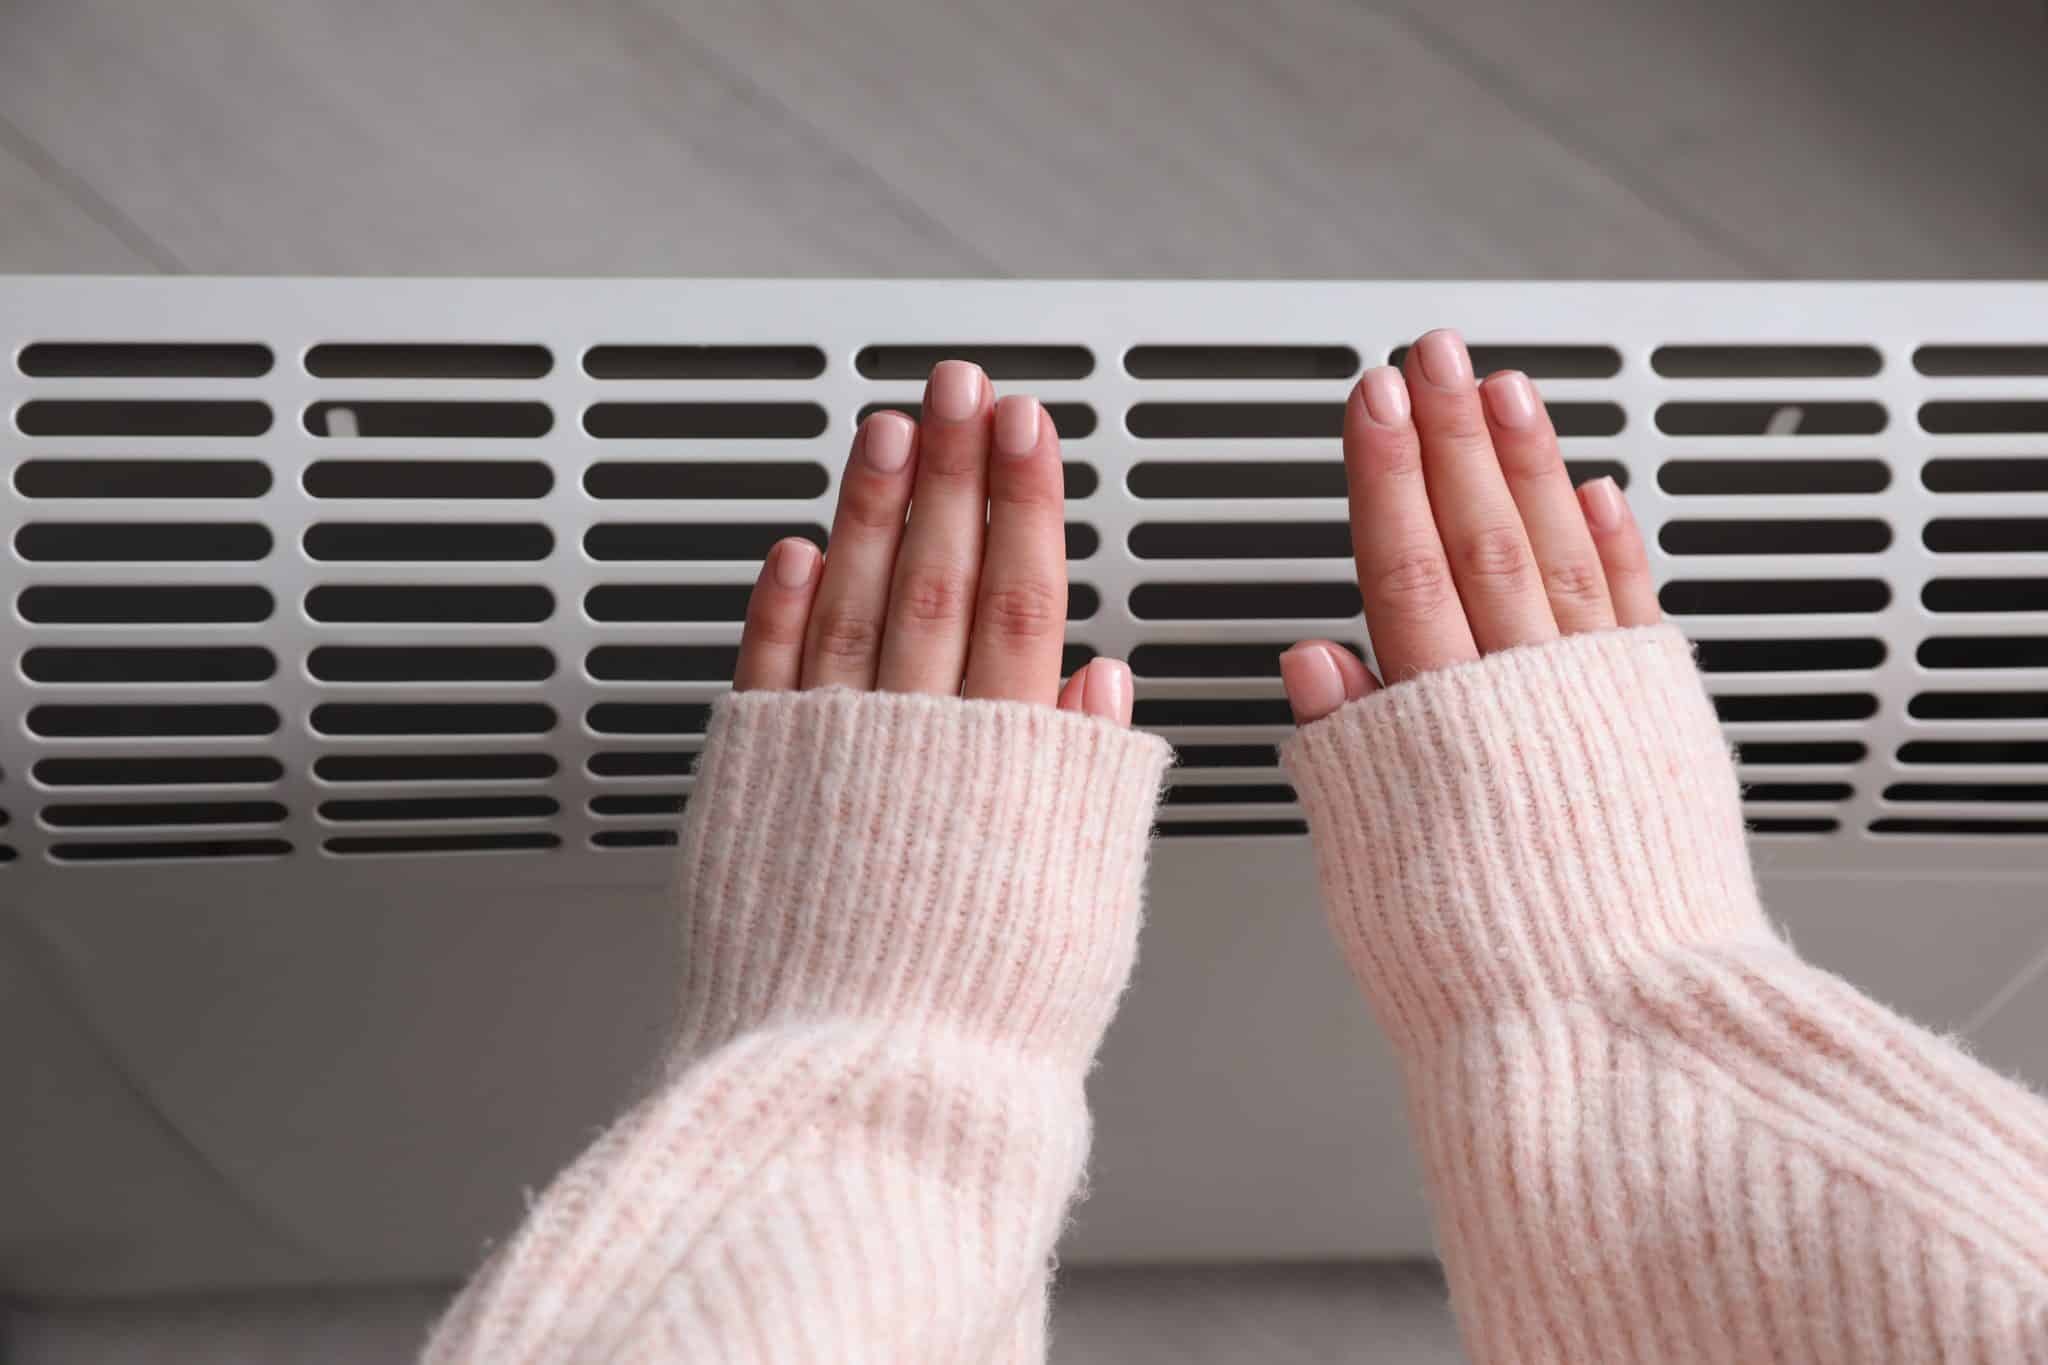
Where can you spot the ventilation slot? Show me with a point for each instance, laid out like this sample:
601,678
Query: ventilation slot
1766,362
348,768
1805,706
1208,661
429,479
1246,794
433,718
430,420
1080,480
1221,829
1770,419
534,841
428,542
1775,537
417,360
648,718
142,479
746,541
106,542
1236,421
1243,601
145,721
999,362
704,421
156,852
642,763
441,808
1795,825
633,838
1972,752
430,603
1537,361
415,663
1985,419
1779,597
666,602
1986,792
678,479
1072,421
1242,540
1996,651
236,770
1227,755
1238,479
141,417
1212,711
1986,535
145,360
663,663
1776,478
1979,706
222,664
1789,793
1985,594
1797,753
704,362
1241,362
1788,656
186,604
652,803
1986,476
1901,825
164,813
1997,361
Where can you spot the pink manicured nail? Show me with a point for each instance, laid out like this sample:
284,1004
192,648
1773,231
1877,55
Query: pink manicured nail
1106,692
887,441
1444,360
1386,396
1510,398
794,560
1314,686
1605,509
956,390
1017,425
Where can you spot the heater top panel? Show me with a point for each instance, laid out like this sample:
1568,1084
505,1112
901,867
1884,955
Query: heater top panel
442,576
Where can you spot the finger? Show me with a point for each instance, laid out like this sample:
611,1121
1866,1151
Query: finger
1100,688
772,641
843,645
1411,605
1320,677
1020,617
1566,561
931,594
1622,556
1489,553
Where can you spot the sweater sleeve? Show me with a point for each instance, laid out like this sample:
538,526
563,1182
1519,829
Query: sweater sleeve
909,920
1650,1131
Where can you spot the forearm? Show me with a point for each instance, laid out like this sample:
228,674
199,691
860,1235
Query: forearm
909,920
1650,1131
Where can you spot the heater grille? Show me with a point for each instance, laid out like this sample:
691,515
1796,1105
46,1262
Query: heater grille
415,569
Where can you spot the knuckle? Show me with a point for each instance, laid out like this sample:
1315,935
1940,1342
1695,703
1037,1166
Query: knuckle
1575,582
845,633
1023,613
931,595
1497,556
1416,582
866,506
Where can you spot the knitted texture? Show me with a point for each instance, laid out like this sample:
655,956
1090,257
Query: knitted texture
1651,1133
909,920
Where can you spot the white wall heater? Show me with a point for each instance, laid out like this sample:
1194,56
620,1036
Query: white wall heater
359,635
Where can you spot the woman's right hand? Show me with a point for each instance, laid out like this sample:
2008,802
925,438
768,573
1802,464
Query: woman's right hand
1468,535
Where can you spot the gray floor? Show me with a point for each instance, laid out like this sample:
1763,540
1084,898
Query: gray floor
995,137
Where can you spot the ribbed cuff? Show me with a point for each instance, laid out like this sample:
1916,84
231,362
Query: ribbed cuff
922,860
1518,826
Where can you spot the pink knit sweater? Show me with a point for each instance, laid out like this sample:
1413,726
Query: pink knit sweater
1650,1131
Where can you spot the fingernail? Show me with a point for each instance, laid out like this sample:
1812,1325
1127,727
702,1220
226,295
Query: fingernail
1605,509
794,560
1510,398
1386,396
1107,690
1444,361
887,442
956,390
1017,425
1314,686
